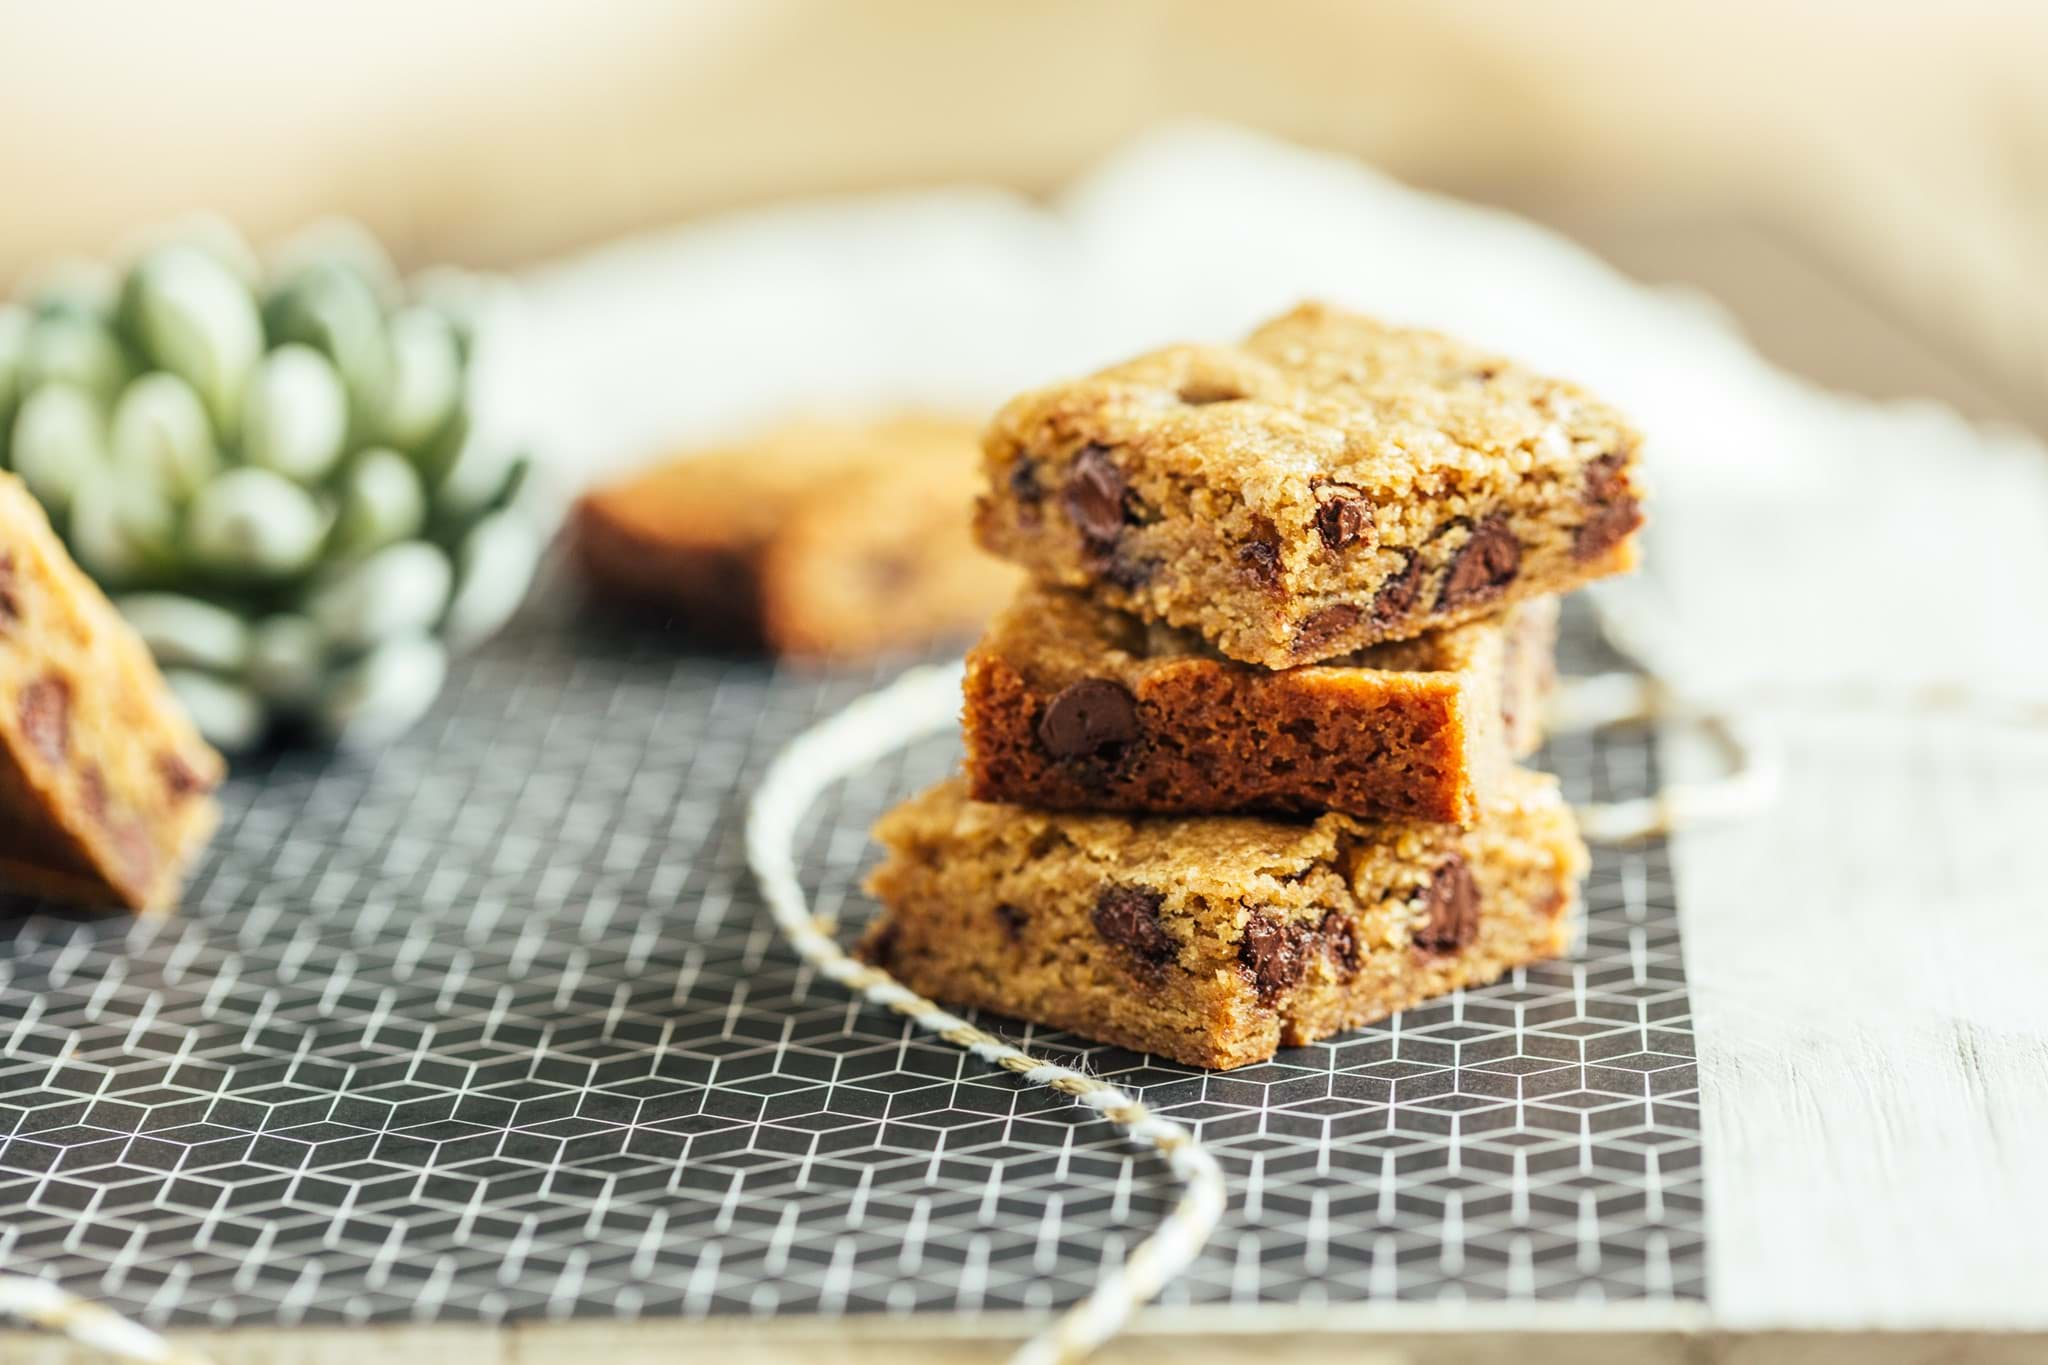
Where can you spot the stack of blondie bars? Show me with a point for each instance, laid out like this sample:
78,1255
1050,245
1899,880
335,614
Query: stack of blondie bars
1241,759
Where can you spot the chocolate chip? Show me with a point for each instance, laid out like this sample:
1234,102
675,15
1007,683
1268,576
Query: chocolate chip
1397,595
1091,718
1484,374
878,949
1613,511
1323,626
1024,485
1128,573
181,779
1128,916
10,591
46,716
1261,561
1342,517
1273,954
1094,497
1340,941
92,792
1013,920
1451,907
1483,567
133,854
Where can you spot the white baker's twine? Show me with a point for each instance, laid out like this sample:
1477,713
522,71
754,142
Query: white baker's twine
1748,784
88,1324
922,702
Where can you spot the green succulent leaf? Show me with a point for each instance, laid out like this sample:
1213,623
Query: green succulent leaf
383,694
191,316
59,442
231,716
334,310
255,524
401,589
122,531
287,660
295,419
382,502
162,437
187,632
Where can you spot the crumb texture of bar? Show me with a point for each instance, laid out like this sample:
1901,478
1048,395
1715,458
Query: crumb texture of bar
819,539
1073,705
1215,941
1330,483
105,785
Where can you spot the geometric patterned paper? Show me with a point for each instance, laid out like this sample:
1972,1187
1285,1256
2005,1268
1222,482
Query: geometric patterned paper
493,1025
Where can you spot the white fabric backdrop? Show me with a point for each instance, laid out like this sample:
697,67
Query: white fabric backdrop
1869,959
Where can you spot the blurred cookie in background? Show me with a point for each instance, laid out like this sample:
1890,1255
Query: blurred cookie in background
823,540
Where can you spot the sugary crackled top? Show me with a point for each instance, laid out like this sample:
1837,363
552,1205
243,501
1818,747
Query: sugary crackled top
739,494
1320,393
1233,851
1055,634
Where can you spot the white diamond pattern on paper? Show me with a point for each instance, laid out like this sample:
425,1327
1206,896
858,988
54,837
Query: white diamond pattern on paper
493,1026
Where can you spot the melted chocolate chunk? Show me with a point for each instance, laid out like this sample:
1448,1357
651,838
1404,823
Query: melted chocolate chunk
1128,916
1342,517
10,591
1024,485
46,716
1396,596
1612,510
1013,920
1092,718
92,792
1340,940
1261,561
1483,567
1451,903
1324,626
1094,497
1273,954
180,778
879,948
1128,573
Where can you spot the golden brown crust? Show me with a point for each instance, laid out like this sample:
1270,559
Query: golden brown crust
818,539
105,785
1415,729
1215,941
1332,482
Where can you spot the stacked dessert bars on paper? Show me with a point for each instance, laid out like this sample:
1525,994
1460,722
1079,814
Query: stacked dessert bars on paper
1241,760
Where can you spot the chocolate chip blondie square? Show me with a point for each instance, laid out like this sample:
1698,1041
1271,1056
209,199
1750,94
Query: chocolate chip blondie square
1330,483
1216,940
820,539
104,782
1074,705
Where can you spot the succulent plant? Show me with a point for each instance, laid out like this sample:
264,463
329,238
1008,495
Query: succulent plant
273,474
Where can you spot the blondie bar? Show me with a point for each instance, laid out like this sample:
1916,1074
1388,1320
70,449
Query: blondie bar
104,782
1077,706
1330,483
1217,940
819,539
